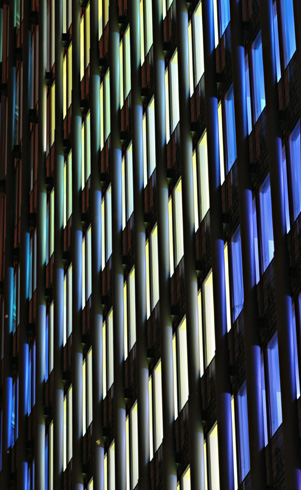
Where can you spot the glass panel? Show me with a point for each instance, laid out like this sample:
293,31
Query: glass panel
209,318
274,385
243,432
258,77
295,158
288,29
267,236
213,459
237,275
230,128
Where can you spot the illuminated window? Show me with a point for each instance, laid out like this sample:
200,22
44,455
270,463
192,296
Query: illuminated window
212,441
208,306
258,77
134,445
221,143
288,29
182,364
244,452
158,414
237,275
174,91
198,47
267,235
295,158
129,182
154,267
178,222
203,179
275,407
230,128
151,153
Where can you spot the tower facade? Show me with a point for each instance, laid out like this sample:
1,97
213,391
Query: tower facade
150,250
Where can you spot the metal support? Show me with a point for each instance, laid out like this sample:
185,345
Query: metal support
223,387
77,237
97,226
39,449
117,268
252,339
139,237
9,244
196,435
281,259
58,254
24,262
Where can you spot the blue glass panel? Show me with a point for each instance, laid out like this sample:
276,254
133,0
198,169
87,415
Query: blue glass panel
276,41
285,192
47,348
244,454
267,236
255,236
288,29
248,94
13,415
264,402
237,282
224,15
295,155
274,385
258,77
230,129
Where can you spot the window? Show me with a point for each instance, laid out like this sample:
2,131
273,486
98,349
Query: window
197,40
267,236
255,237
208,308
182,364
224,15
274,385
213,458
203,180
285,192
237,275
221,143
295,167
174,90
178,222
158,414
154,267
230,129
276,41
151,153
244,454
258,78
288,29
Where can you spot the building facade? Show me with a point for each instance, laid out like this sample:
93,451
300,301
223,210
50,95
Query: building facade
150,248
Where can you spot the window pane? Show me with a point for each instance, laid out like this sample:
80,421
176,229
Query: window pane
209,318
258,77
198,47
213,459
237,281
295,155
230,129
274,385
267,237
224,15
203,175
243,432
288,29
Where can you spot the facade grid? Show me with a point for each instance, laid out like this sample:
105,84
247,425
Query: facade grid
150,248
